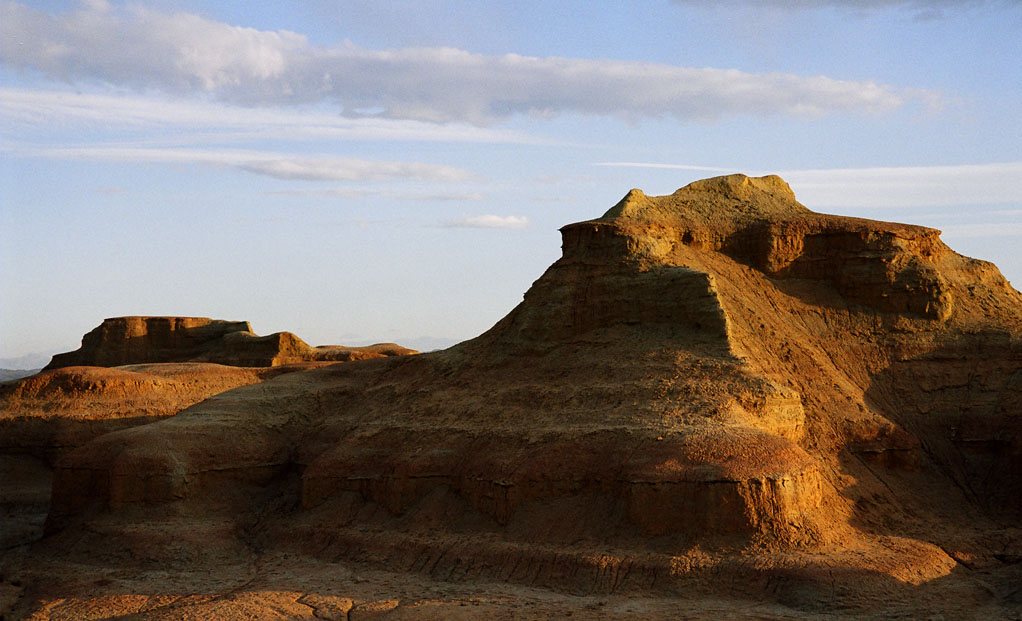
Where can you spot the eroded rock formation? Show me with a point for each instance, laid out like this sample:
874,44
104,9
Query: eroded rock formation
44,416
715,391
140,340
52,412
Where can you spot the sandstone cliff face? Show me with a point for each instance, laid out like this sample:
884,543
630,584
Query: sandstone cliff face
716,389
163,366
139,340
889,267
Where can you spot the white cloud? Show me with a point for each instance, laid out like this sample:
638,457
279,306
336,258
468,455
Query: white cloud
919,10
343,169
892,186
38,111
363,193
188,54
278,165
488,221
178,51
927,5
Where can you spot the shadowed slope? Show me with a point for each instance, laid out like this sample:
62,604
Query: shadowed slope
717,389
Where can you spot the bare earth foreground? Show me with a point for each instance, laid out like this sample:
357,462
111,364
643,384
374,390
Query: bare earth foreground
716,404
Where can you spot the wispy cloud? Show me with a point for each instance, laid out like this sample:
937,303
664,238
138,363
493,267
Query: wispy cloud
488,221
914,10
930,6
38,111
856,4
890,186
336,169
278,165
188,54
364,193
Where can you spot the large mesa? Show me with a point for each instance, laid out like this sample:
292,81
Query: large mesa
713,388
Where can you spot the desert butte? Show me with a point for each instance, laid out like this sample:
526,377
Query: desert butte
716,403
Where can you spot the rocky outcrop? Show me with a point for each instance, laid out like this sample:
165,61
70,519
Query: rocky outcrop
44,416
54,411
163,366
885,266
140,340
718,389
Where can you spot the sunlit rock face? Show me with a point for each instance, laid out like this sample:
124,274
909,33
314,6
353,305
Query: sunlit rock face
139,340
716,374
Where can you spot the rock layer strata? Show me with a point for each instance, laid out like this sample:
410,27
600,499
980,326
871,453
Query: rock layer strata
713,375
140,340
44,416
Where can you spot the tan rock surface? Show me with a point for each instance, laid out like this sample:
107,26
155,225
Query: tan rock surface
53,411
716,403
137,340
44,416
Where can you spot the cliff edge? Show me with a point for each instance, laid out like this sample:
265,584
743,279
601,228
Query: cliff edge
143,340
714,391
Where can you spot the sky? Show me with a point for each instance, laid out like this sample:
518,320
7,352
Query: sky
364,171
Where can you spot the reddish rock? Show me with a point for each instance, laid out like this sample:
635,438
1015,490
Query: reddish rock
716,391
140,340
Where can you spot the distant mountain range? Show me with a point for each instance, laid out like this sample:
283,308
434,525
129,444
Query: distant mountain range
7,375
35,360
22,366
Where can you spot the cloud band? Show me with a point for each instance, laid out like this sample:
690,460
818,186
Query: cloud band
187,54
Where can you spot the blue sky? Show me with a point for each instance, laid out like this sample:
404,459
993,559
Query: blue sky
364,171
